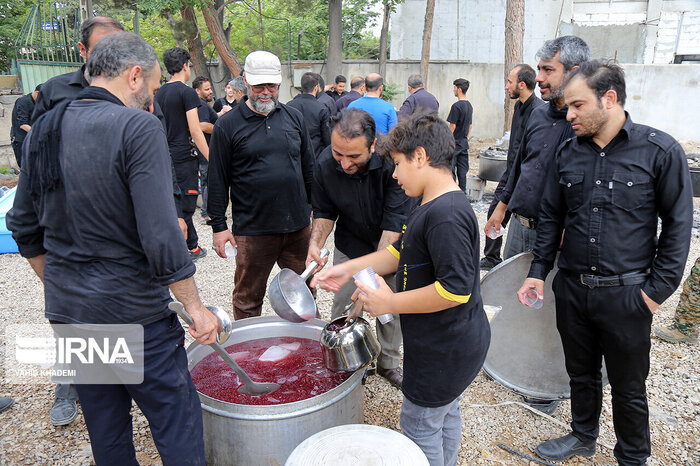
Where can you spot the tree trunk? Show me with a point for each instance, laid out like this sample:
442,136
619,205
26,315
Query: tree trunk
514,27
216,30
384,37
177,34
335,39
194,42
427,34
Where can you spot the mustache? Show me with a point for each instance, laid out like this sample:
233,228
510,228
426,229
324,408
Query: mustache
544,86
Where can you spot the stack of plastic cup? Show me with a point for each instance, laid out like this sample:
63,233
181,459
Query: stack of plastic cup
366,276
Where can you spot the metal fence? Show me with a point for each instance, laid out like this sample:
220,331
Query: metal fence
50,33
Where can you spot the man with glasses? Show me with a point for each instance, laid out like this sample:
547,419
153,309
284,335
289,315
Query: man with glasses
262,148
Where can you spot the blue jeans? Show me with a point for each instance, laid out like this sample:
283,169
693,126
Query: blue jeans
167,397
520,239
437,431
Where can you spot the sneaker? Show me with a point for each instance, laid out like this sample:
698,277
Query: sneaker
5,403
198,253
63,411
487,263
672,334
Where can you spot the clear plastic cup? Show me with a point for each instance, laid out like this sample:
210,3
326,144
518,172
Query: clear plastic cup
533,300
366,276
230,251
493,234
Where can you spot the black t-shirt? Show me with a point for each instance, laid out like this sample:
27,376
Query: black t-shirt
220,102
207,115
176,98
443,351
461,115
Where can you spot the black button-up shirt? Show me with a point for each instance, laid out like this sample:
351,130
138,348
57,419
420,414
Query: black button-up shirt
328,102
521,115
364,204
608,201
109,232
21,115
267,164
316,117
419,99
335,96
58,89
346,100
545,130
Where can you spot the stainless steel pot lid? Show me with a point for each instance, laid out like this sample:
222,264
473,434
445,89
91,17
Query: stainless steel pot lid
526,354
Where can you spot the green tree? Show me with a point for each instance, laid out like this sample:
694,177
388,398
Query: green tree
13,13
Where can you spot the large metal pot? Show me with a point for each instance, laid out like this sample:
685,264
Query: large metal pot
251,435
492,164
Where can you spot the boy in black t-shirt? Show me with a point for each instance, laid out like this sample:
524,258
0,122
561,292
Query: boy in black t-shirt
445,331
460,120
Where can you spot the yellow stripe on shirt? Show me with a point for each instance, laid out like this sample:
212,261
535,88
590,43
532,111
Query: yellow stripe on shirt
393,251
450,296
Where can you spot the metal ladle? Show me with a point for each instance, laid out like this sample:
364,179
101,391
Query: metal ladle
249,387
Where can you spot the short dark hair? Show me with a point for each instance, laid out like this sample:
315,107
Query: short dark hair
373,84
352,123
357,82
340,79
321,82
527,75
308,82
174,59
90,24
38,87
199,81
426,130
118,52
462,84
601,76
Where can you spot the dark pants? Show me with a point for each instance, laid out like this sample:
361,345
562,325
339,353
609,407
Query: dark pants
17,148
203,169
187,173
167,397
492,247
615,323
460,167
254,261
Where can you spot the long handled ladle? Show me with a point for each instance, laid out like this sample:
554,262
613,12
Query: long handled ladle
249,387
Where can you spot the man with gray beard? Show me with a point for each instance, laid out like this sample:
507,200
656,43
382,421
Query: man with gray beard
94,216
260,153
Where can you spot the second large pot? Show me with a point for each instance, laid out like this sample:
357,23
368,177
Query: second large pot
251,435
492,164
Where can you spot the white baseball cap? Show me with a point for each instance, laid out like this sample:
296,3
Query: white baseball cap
262,67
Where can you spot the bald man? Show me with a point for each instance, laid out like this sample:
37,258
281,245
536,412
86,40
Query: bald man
383,112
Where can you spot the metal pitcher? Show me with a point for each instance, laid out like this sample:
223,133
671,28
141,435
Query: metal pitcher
350,347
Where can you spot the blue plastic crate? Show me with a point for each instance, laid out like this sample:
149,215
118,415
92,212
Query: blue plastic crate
7,244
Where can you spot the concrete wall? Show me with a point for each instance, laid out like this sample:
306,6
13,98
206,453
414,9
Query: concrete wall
8,97
657,95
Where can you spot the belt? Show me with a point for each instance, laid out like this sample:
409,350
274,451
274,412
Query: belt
596,281
527,222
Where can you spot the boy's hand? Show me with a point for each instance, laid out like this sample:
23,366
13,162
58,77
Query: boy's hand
331,279
376,302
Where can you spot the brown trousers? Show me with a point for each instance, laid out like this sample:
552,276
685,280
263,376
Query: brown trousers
256,257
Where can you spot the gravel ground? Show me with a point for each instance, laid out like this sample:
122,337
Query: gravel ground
490,413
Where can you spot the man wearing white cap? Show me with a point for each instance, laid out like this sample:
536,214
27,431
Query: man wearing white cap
260,153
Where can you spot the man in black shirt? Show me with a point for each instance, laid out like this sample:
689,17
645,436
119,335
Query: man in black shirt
53,92
324,98
179,103
460,119
207,118
21,122
357,90
353,185
519,85
545,130
315,114
94,216
234,90
337,90
262,156
607,188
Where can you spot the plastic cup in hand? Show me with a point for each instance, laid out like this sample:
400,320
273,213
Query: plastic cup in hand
230,251
366,276
533,300
493,234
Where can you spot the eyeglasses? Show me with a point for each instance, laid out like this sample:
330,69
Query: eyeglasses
262,87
